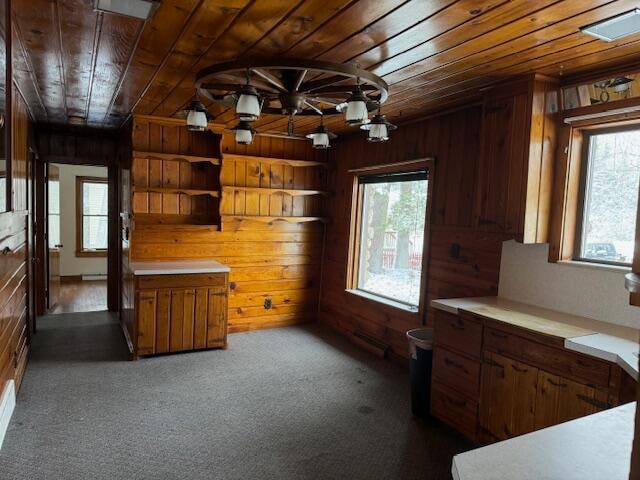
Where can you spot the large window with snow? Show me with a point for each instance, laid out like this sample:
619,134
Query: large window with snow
609,196
92,203
389,236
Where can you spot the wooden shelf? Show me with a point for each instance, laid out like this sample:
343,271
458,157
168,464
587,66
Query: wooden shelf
172,219
184,191
257,218
229,157
175,157
177,227
271,191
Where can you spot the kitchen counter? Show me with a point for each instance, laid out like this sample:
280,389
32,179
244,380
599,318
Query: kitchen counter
178,267
594,447
603,340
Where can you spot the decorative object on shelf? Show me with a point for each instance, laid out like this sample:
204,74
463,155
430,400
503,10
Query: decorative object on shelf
321,135
289,87
244,132
378,128
196,116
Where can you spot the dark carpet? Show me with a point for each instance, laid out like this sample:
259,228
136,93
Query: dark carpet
291,403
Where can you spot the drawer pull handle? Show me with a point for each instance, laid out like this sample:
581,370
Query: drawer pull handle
498,335
518,369
458,325
493,363
457,403
557,384
592,401
453,364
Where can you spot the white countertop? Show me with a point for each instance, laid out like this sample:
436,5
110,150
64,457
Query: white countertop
594,447
177,267
603,340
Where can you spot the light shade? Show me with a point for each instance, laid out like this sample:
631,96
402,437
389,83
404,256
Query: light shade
141,9
196,117
243,133
379,129
356,112
616,27
320,137
248,104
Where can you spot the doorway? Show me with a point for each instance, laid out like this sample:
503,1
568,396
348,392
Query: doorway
77,238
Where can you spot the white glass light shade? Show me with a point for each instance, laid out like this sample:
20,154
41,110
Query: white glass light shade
244,137
196,121
356,112
248,107
378,132
320,140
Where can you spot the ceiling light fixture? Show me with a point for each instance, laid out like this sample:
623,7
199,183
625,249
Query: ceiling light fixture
356,112
248,105
142,9
615,27
244,133
378,128
288,87
320,136
196,116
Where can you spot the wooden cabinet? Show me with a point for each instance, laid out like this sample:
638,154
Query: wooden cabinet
492,381
175,313
516,164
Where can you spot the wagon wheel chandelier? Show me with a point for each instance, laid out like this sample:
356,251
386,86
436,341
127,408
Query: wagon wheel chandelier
292,88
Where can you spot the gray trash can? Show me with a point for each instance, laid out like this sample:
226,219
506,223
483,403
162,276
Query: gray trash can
421,345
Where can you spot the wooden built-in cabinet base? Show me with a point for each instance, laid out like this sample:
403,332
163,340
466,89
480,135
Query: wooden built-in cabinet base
176,313
492,381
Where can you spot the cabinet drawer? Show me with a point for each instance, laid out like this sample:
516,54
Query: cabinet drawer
454,409
458,372
182,281
460,332
582,368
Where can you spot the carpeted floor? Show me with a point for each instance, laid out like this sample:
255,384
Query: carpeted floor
292,403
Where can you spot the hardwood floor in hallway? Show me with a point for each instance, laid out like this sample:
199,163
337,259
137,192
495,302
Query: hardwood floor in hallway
82,296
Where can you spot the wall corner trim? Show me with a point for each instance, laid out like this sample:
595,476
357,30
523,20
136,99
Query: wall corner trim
7,405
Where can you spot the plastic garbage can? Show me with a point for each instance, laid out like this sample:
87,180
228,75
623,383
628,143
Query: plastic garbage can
421,345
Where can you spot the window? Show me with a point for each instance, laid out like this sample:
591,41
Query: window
92,199
388,237
53,190
609,196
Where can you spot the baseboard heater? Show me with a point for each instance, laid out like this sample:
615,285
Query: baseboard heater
370,344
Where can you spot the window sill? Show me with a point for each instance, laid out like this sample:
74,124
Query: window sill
595,266
92,253
385,301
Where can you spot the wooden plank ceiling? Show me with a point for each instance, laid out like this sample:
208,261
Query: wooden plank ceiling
72,61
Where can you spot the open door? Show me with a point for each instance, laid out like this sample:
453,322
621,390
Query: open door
53,235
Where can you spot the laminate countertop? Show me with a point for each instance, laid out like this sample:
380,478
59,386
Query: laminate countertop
178,267
603,340
595,447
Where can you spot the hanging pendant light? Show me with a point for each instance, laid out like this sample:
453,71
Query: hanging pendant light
378,128
320,136
196,116
243,132
249,103
356,112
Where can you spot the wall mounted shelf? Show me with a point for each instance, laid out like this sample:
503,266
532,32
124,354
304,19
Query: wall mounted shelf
175,157
184,191
228,157
265,219
271,191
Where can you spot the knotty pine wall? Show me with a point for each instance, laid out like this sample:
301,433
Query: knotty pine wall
279,261
454,140
14,264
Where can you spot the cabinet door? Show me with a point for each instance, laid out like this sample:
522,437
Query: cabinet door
146,308
182,319
216,318
560,400
507,402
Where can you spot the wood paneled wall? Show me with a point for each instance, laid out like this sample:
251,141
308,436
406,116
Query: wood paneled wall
277,261
454,140
14,263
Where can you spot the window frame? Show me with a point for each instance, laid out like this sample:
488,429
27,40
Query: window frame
355,231
586,135
80,251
